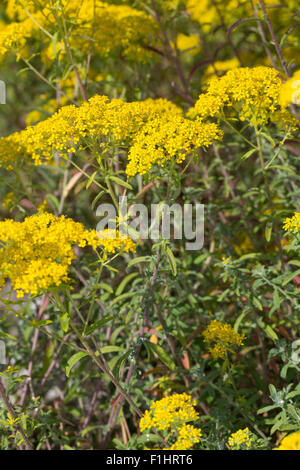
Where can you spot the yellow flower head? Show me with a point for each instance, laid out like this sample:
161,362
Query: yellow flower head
252,92
242,436
292,224
290,91
188,435
168,412
36,254
222,338
291,442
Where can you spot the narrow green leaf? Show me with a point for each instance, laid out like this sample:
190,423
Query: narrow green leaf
139,259
90,180
289,277
97,325
268,231
97,199
110,349
73,360
247,155
172,261
118,180
65,322
163,355
124,283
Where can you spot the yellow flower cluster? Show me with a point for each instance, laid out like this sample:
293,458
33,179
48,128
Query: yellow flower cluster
169,411
210,13
49,107
123,28
9,200
155,131
70,125
174,412
204,12
222,337
14,36
291,442
219,67
252,93
188,435
36,254
242,436
12,153
188,43
160,141
112,240
290,91
292,224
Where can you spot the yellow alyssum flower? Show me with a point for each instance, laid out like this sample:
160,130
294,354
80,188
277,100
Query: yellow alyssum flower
291,442
292,224
168,412
252,93
219,67
188,43
36,254
72,127
14,36
122,27
112,240
9,200
188,435
222,337
290,91
174,137
242,436
12,153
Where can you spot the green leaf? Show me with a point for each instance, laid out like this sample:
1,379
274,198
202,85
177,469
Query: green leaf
289,277
294,262
247,155
88,429
90,329
91,180
40,323
97,199
268,231
124,283
65,322
281,167
163,355
122,297
139,259
284,370
257,303
117,367
53,200
121,182
172,260
271,333
6,335
238,320
148,437
266,409
73,360
110,349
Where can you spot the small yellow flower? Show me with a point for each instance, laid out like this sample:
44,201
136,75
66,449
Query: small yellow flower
173,410
242,436
188,435
222,337
292,224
